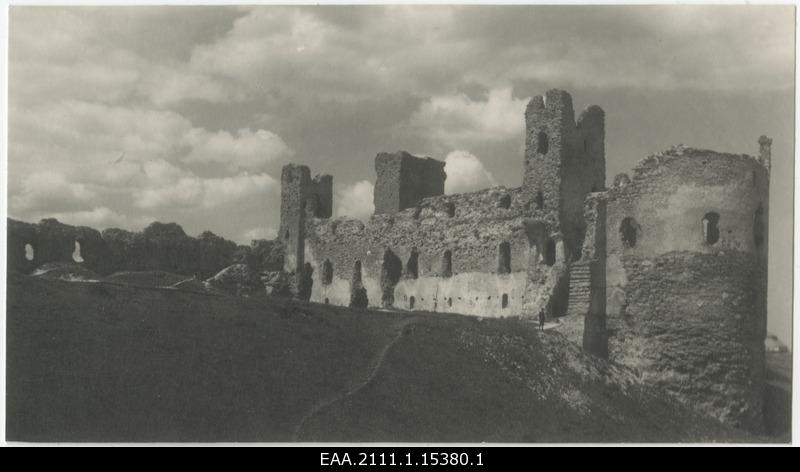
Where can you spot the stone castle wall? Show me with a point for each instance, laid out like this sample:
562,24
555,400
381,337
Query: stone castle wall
685,278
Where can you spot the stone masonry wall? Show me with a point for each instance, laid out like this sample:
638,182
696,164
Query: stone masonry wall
403,180
685,278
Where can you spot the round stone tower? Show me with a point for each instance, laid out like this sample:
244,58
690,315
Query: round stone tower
686,277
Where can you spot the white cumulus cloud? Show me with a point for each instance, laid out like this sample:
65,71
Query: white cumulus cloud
465,173
356,200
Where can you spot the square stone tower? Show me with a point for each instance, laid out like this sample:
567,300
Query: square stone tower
403,180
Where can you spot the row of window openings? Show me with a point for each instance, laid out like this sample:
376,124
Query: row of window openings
412,301
30,253
629,230
412,266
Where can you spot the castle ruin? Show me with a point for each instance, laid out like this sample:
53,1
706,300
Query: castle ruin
664,272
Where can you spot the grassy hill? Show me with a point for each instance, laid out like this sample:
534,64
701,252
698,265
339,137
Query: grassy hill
107,362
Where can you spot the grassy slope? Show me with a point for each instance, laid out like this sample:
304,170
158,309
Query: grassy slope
91,362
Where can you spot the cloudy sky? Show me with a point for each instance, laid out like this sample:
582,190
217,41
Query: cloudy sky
119,116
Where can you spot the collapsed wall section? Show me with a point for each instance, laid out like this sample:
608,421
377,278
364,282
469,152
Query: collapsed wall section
685,278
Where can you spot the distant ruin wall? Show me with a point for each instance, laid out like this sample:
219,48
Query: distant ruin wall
685,277
159,247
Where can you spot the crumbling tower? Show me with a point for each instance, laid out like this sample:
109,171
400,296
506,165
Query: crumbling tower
404,180
564,161
301,197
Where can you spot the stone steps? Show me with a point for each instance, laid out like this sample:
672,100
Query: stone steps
579,289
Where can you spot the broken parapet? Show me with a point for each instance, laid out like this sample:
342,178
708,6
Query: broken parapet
404,180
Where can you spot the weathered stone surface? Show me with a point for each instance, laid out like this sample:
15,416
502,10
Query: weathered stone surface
685,278
403,180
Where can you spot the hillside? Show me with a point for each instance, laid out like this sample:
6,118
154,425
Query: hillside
108,362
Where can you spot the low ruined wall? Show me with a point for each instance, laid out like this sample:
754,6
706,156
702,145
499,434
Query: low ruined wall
686,296
159,247
477,282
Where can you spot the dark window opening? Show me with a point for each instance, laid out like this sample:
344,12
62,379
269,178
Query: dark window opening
327,301
628,232
504,258
306,282
451,209
505,202
327,272
411,301
711,227
539,200
286,236
758,226
541,143
29,254
390,274
76,254
594,188
449,302
412,266
447,264
504,302
358,294
550,252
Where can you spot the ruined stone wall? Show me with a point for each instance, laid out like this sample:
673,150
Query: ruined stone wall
483,278
159,247
301,197
564,161
403,180
686,242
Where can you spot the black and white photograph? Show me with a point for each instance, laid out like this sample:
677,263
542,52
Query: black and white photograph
399,224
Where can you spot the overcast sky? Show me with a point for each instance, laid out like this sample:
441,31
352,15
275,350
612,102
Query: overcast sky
119,116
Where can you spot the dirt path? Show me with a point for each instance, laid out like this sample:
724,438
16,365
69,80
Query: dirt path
370,374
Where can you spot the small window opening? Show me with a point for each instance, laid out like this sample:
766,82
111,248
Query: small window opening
76,254
505,202
327,272
327,301
541,143
711,227
412,266
504,258
449,302
758,226
628,232
539,200
411,301
447,264
504,302
451,209
550,252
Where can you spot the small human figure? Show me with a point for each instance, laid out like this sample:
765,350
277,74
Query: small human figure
541,319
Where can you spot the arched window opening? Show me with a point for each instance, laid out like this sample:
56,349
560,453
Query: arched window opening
390,274
504,302
451,209
447,264
327,272
76,254
505,202
539,200
412,266
758,226
711,227
550,252
358,294
628,232
504,258
29,254
411,301
542,144
449,302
